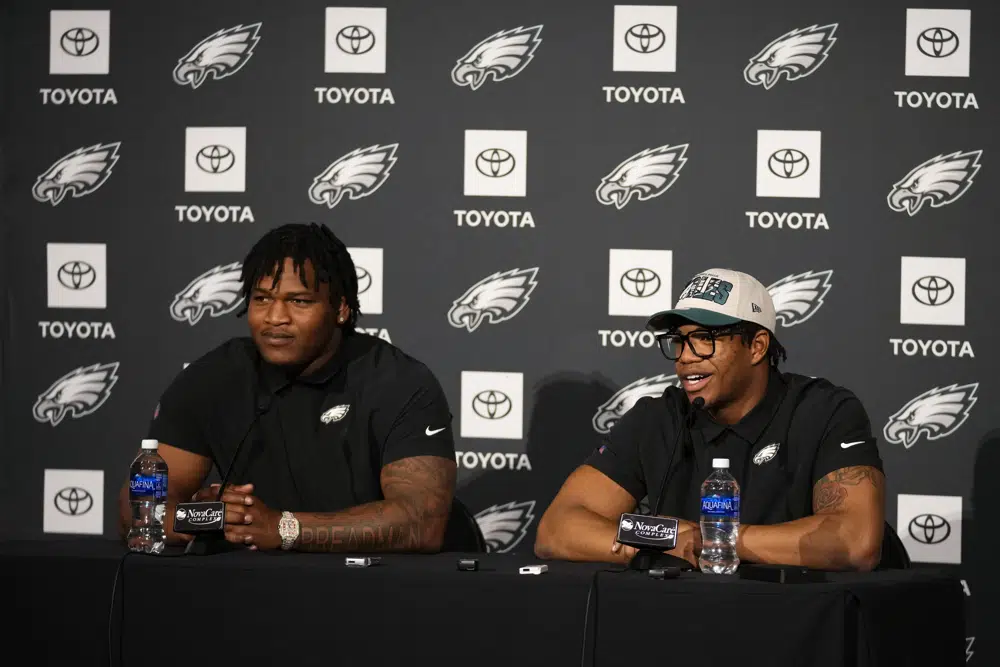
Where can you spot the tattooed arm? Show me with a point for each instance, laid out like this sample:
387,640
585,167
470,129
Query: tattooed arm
418,494
844,532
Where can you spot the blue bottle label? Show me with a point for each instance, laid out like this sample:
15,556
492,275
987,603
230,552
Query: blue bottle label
721,506
149,485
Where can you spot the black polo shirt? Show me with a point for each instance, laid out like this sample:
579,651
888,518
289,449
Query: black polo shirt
319,442
801,430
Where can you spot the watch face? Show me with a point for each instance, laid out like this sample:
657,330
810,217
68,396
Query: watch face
286,526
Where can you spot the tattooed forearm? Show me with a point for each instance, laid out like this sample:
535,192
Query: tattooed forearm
360,536
830,492
413,517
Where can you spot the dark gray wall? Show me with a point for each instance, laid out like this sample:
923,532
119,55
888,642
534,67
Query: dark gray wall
868,94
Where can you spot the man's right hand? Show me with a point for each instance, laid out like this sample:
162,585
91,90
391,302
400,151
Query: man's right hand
624,551
236,498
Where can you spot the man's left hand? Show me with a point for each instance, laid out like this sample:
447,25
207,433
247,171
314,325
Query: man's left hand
260,530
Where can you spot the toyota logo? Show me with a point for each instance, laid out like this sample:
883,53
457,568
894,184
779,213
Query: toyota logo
640,282
215,159
933,290
355,40
491,404
645,38
788,163
76,275
73,501
79,42
937,42
364,279
495,163
929,528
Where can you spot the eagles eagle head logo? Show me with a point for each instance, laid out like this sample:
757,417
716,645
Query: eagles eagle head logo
938,181
797,297
213,293
334,414
76,394
495,298
766,454
355,175
77,174
219,55
646,174
504,526
936,413
499,56
795,55
625,398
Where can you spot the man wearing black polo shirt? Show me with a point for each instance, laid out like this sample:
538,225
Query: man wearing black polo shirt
801,448
348,445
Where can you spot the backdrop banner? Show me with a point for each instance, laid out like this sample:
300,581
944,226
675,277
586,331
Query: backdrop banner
521,184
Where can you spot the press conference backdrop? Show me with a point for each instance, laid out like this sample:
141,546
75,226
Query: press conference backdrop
520,184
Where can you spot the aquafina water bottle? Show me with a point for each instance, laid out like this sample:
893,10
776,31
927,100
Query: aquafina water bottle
147,486
720,520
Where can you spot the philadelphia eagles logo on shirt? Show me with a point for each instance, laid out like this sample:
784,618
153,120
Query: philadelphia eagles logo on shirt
219,55
766,454
794,55
500,56
495,298
504,526
76,174
357,174
647,174
938,182
934,414
797,297
213,293
77,394
612,410
334,414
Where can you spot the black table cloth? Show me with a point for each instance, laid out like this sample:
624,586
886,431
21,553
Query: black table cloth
310,609
894,618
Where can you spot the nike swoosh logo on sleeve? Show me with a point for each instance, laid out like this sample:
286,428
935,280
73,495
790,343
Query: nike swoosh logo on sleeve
428,430
845,445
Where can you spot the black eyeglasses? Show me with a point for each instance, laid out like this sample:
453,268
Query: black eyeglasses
699,341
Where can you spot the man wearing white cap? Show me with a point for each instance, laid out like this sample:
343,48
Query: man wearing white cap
801,448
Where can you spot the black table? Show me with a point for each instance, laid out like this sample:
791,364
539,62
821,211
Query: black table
893,618
309,609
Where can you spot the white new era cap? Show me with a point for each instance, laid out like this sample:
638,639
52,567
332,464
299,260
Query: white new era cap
718,297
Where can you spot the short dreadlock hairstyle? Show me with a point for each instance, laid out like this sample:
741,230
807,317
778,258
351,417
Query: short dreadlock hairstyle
775,351
301,242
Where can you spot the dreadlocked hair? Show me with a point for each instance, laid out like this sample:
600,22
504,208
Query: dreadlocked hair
775,351
331,262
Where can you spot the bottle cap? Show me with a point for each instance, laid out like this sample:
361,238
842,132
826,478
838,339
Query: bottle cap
149,443
720,463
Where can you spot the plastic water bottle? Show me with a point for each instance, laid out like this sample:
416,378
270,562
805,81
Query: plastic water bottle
147,487
720,520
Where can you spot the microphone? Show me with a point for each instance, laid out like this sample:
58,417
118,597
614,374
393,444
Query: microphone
207,520
685,426
651,534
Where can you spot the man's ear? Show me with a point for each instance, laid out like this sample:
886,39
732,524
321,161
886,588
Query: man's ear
759,346
344,312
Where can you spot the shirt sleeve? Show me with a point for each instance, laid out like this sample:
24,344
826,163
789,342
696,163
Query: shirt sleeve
618,455
417,420
848,440
176,418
